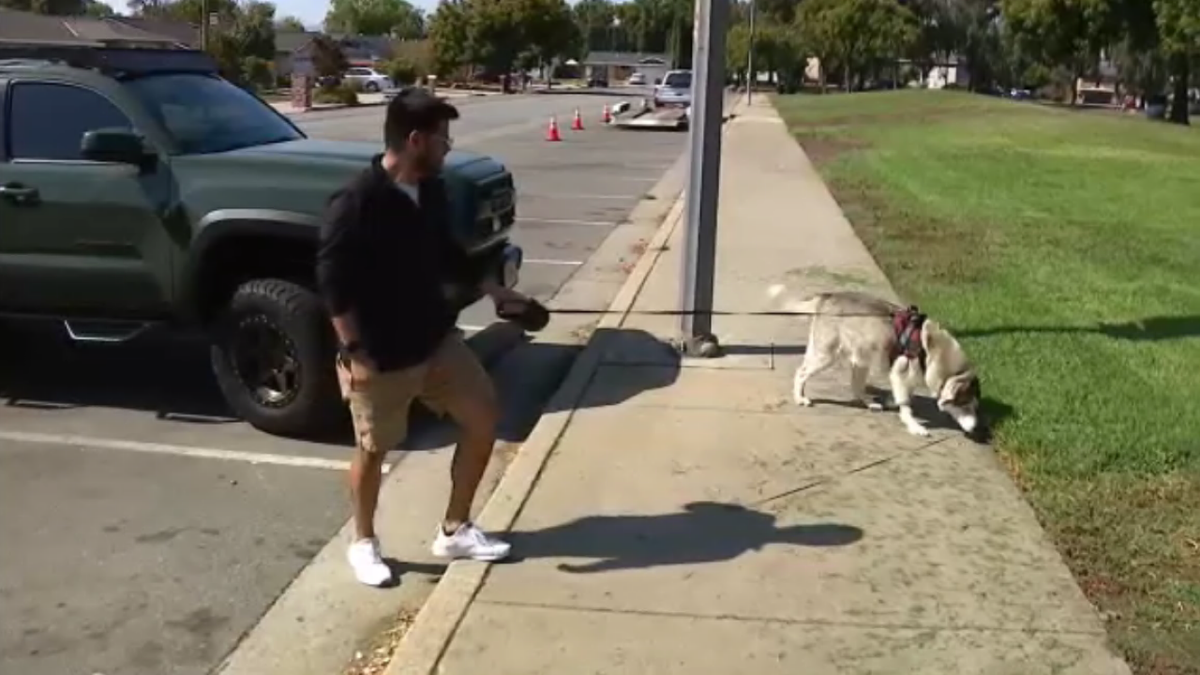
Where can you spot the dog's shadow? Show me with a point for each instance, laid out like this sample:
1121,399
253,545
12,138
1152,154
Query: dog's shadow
993,412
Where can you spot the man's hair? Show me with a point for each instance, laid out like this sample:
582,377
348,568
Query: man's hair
414,109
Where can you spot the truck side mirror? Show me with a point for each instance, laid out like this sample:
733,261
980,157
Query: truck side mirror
122,146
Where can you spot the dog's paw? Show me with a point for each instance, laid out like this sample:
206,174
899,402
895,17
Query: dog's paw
804,401
918,430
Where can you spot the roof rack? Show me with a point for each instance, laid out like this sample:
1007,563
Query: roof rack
118,61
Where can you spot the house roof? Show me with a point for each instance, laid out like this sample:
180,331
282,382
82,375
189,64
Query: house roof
289,41
28,28
182,31
102,30
626,59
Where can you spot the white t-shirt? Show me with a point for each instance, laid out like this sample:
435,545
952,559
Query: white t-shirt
411,190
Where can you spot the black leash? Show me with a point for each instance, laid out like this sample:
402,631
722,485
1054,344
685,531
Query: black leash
714,312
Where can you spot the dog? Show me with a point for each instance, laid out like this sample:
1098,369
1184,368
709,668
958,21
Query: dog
874,335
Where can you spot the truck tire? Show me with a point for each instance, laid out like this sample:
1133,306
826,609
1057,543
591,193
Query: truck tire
273,357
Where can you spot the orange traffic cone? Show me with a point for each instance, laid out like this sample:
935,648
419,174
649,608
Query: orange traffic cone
577,123
552,132
607,115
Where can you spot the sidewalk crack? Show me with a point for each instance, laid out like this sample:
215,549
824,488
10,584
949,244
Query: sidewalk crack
846,474
789,621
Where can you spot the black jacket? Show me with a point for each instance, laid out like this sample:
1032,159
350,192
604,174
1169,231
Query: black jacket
385,259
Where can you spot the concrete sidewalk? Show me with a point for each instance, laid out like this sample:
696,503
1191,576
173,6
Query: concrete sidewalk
687,518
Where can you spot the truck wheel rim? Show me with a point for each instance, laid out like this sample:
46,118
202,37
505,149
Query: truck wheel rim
266,362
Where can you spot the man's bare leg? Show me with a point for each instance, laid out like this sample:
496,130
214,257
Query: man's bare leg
366,475
471,455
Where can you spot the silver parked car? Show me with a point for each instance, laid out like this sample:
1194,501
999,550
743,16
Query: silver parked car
368,79
675,90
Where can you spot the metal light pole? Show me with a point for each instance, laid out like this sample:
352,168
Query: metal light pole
704,177
750,57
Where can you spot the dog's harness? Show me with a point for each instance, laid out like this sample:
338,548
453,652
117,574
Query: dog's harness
908,323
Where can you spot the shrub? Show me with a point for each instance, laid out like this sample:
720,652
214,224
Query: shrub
343,94
257,73
402,71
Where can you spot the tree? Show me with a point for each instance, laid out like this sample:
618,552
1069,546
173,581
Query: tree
450,33
396,18
98,9
289,24
327,56
1068,33
1179,29
594,21
856,34
548,29
496,34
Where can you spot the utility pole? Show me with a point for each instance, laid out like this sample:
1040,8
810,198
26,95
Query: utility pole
750,57
204,25
704,177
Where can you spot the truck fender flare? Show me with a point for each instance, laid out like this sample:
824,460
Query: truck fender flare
221,225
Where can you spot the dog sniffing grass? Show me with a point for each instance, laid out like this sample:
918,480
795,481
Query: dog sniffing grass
1060,246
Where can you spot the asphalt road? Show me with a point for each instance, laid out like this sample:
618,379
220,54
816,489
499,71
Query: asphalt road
145,531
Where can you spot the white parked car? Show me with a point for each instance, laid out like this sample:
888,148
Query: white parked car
368,79
637,79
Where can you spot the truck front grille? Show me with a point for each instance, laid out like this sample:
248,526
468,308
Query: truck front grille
498,211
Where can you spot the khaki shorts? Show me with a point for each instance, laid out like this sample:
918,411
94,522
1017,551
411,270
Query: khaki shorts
451,381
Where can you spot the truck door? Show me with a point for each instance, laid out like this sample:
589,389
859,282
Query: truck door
77,237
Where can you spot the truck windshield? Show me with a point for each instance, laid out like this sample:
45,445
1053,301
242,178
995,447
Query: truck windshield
678,81
205,114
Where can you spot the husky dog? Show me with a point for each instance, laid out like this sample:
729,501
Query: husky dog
875,335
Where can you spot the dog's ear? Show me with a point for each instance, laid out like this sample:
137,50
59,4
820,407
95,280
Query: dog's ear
932,333
960,390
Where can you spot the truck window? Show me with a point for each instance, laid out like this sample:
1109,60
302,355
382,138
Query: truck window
48,121
205,114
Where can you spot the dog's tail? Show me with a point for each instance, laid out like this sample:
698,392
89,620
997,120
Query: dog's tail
809,305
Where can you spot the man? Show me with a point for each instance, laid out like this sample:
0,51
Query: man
385,251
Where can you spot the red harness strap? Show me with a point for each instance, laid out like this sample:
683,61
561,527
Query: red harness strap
907,324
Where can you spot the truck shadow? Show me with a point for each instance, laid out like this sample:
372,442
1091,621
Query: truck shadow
170,377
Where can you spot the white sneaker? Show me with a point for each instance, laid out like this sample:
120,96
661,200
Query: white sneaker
469,541
367,563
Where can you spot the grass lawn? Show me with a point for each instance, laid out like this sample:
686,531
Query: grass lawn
1063,249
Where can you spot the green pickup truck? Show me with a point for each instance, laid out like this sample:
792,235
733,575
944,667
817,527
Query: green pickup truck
138,189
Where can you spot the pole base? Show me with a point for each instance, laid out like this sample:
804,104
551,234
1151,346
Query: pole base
699,346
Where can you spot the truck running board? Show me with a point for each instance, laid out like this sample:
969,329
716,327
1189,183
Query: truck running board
112,332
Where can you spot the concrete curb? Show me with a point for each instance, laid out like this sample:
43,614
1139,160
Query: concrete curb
435,625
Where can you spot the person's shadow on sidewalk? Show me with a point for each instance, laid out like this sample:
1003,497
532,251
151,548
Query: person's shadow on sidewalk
704,532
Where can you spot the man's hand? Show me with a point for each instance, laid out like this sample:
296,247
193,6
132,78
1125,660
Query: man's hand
500,294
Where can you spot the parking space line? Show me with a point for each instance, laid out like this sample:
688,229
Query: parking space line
542,261
566,221
179,450
534,195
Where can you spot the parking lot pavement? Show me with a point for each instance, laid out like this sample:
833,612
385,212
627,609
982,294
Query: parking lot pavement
123,562
148,530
